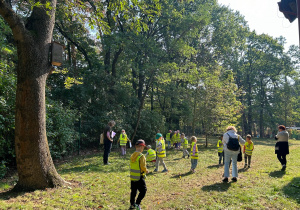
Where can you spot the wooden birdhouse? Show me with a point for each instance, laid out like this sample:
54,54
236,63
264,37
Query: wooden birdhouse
57,50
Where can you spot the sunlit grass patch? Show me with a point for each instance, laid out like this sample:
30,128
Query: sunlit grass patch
98,186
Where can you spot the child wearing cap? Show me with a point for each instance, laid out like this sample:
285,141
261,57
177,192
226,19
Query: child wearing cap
138,172
194,154
185,145
123,141
160,152
248,148
150,155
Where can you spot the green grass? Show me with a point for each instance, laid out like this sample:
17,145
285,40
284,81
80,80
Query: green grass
95,186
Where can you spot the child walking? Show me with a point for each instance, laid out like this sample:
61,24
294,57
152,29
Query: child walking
248,148
194,154
123,141
220,150
185,146
160,152
138,172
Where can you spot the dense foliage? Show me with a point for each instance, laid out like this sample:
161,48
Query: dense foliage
155,65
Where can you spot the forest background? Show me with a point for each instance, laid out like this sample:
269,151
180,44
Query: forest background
194,66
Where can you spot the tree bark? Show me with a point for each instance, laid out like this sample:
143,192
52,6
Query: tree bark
34,163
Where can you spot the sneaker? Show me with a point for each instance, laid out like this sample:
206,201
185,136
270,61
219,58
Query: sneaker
138,207
106,163
183,156
283,167
132,207
245,166
155,170
165,170
234,179
225,180
249,166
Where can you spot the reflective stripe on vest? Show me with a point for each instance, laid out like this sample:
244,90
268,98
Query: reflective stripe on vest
123,140
135,170
196,151
162,153
151,155
168,137
248,148
220,148
186,143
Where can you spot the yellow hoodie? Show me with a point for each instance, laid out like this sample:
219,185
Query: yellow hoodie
142,161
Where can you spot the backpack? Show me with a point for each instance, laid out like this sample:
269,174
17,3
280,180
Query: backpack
233,143
101,138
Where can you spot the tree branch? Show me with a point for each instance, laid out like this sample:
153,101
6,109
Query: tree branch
14,21
81,49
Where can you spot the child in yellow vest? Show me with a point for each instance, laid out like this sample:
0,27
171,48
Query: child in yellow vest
185,144
150,155
248,148
160,152
123,141
194,153
138,170
220,150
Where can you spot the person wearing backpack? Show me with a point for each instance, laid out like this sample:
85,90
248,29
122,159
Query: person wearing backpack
231,146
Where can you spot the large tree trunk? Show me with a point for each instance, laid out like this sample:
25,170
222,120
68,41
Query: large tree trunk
34,163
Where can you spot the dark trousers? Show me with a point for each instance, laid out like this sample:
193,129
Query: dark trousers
221,156
107,148
282,158
247,157
138,186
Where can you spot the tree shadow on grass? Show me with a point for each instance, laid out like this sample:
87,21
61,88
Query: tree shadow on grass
220,187
12,193
292,189
277,174
242,170
181,175
92,167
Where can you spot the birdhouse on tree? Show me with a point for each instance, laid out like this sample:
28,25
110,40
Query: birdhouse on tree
57,50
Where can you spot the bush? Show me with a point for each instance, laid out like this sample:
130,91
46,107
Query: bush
62,137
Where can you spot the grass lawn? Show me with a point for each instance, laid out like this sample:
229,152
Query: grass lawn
96,186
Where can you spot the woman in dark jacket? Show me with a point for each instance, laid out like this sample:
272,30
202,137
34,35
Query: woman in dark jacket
282,145
108,140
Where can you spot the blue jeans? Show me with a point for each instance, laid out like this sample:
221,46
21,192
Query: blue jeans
194,163
230,155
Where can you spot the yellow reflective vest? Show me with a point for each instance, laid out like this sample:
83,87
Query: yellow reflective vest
178,139
151,155
123,139
220,146
135,170
249,148
185,143
194,145
168,137
162,151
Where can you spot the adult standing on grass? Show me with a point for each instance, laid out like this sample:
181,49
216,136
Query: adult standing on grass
231,145
108,140
282,145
